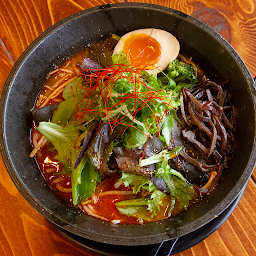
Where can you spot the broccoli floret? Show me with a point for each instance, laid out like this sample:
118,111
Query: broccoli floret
182,72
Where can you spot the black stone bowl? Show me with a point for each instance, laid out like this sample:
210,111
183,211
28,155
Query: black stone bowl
207,48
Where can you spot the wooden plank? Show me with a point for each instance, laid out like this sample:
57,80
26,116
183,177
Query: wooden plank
23,21
6,65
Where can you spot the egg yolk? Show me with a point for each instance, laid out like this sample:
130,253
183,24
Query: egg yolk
142,50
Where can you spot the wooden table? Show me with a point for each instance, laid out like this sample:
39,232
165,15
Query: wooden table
23,231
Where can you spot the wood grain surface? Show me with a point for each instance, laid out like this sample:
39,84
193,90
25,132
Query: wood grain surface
25,232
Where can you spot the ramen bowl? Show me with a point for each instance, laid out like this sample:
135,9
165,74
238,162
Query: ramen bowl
68,37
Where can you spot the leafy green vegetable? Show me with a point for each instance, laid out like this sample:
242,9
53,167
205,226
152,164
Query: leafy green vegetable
139,212
151,80
166,129
120,58
63,140
67,108
133,138
76,176
64,111
137,182
156,200
85,177
84,181
158,158
143,208
73,89
176,184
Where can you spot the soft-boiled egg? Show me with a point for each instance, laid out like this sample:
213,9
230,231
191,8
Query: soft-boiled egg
150,49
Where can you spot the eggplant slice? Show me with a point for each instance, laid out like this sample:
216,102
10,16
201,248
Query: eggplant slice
44,113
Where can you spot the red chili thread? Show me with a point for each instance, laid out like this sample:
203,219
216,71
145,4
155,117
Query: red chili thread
99,84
